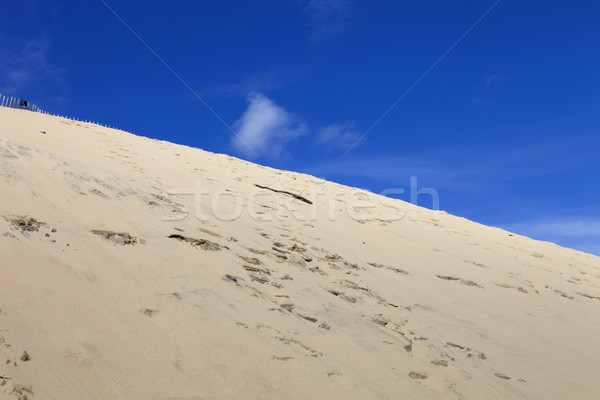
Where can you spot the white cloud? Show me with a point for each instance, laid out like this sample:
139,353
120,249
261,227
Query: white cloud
265,127
338,136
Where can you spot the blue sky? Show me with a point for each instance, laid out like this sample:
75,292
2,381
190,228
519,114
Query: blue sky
505,126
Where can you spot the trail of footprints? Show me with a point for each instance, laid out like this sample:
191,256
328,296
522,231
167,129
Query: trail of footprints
12,359
336,273
339,278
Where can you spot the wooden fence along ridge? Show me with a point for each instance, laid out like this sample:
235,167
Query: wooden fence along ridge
15,102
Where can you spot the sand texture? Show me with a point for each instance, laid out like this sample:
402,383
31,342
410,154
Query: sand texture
114,284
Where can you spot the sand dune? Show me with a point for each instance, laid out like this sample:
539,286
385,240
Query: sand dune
118,282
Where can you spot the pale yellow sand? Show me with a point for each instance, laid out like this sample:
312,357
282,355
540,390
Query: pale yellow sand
450,309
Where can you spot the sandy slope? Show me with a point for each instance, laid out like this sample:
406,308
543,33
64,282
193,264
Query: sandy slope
108,306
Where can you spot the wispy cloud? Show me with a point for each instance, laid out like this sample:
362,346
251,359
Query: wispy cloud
260,82
329,18
581,233
337,136
266,127
492,79
576,227
465,169
28,69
